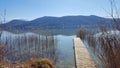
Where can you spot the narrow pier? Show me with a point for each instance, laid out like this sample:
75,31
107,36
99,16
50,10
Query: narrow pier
82,57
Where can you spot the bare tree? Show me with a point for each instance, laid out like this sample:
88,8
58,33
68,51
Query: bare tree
114,14
3,17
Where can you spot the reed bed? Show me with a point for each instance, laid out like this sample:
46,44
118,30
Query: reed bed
19,49
105,45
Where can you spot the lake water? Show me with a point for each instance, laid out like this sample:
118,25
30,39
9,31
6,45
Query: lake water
62,52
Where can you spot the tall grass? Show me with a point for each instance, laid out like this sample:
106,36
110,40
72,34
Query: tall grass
82,33
105,46
20,49
110,45
1,54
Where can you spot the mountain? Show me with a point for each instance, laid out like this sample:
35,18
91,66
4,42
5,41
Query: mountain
65,22
15,22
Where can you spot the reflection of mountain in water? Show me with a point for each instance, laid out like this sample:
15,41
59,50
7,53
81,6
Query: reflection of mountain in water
66,32
23,47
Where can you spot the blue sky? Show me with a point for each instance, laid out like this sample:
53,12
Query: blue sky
31,9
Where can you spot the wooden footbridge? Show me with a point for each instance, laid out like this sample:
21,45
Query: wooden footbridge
82,57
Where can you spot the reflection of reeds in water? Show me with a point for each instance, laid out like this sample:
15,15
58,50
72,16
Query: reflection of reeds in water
106,48
20,49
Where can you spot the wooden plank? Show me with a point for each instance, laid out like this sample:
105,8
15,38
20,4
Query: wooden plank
82,57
